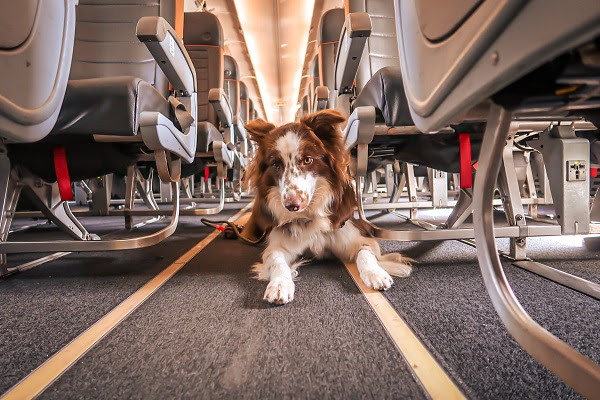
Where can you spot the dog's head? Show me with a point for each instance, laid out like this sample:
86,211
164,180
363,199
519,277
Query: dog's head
299,165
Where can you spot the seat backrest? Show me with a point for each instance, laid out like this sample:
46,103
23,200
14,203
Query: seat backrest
314,80
304,106
244,108
381,49
330,28
251,110
36,48
106,44
203,39
231,83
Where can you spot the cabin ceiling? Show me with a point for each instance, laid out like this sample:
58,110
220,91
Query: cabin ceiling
270,40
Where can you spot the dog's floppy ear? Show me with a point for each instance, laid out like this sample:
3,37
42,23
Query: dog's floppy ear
258,129
324,123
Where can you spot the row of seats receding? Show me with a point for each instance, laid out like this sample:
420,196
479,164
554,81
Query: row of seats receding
98,89
366,83
468,105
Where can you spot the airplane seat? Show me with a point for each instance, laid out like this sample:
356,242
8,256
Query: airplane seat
444,80
304,106
203,38
252,110
379,84
381,48
531,84
317,94
117,111
304,101
31,98
117,89
244,108
330,27
233,92
231,83
302,109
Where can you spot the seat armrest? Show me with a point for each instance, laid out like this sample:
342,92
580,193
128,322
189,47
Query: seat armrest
321,98
169,52
241,135
220,102
357,28
360,128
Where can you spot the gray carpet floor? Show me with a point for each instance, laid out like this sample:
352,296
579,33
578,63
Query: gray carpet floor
446,304
48,306
208,334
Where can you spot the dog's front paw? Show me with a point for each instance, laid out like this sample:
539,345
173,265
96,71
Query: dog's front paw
280,291
377,279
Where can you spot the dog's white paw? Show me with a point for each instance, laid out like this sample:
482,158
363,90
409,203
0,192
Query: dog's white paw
280,291
376,279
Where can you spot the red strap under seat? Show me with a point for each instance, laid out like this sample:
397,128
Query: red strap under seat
62,173
466,161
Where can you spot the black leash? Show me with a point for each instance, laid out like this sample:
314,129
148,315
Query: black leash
232,231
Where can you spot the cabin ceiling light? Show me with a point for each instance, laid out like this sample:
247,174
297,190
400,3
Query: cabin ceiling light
276,34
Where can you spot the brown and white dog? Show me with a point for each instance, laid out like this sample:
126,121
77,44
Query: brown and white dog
305,199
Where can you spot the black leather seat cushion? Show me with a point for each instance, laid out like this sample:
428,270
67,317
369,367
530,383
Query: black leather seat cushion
207,133
108,106
385,92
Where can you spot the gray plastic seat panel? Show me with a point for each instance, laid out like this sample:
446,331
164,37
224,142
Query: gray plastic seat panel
252,112
17,21
231,83
203,38
440,19
209,73
330,28
447,80
244,108
30,98
381,49
314,78
207,133
202,28
106,44
304,106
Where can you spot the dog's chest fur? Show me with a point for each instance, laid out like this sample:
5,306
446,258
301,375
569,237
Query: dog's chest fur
308,234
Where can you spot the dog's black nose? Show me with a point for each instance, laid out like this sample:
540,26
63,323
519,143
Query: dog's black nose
293,205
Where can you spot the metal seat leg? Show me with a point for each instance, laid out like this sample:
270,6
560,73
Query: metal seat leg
568,364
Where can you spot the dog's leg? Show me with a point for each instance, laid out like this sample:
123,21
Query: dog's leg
350,245
370,272
280,289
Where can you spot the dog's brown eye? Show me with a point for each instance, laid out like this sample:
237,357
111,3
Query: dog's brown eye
307,160
275,165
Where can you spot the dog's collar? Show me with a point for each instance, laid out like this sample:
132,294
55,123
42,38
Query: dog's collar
306,221
300,221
